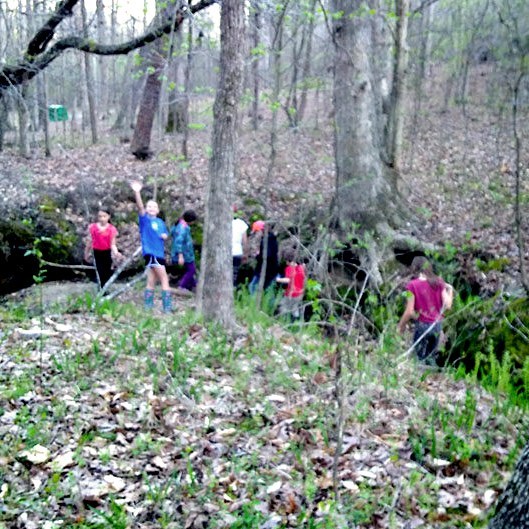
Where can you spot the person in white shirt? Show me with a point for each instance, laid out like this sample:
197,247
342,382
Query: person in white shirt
239,243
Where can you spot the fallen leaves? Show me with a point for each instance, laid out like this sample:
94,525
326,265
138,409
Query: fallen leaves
98,427
36,455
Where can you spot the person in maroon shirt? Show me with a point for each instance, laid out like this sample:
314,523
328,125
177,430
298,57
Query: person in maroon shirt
428,298
101,243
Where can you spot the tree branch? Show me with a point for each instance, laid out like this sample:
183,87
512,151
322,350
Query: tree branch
37,58
44,35
423,5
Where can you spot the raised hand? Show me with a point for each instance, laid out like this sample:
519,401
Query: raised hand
136,186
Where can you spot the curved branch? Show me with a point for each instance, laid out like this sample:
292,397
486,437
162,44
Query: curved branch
34,63
44,35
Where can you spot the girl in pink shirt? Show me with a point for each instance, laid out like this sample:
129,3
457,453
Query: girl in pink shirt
101,243
428,297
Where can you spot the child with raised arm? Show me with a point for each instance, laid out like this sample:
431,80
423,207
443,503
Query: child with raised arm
153,233
101,243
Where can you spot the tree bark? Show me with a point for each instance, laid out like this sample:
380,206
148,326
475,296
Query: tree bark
101,77
174,110
307,61
276,50
187,90
215,297
365,187
23,122
150,100
396,111
141,141
512,509
3,121
255,11
419,75
43,112
291,103
89,77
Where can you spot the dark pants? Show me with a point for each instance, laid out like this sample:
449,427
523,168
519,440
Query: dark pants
426,349
103,262
188,279
237,261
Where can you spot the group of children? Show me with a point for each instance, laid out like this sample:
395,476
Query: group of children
428,295
101,244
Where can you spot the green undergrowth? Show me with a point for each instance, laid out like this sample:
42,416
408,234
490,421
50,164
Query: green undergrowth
148,420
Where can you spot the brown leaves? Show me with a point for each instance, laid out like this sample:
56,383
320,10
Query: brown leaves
255,438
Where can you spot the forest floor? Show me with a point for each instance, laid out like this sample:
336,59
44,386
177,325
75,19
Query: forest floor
110,417
113,417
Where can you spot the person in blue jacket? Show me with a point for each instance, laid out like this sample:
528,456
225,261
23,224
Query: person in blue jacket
183,250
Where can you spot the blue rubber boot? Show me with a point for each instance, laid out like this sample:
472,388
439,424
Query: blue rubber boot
167,301
148,299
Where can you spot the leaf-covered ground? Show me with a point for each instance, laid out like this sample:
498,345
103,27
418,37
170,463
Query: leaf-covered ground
114,418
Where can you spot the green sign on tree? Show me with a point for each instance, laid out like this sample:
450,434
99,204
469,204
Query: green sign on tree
57,113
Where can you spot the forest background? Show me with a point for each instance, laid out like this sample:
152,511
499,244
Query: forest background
427,99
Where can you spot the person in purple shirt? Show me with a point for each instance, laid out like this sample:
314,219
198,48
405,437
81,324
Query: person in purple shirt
428,298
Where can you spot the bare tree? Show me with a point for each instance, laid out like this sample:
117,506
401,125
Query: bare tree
156,56
309,32
396,109
89,77
255,14
40,53
215,296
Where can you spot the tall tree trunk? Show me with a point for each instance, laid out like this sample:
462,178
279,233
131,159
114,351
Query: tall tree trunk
23,122
141,141
129,85
113,37
174,106
42,93
3,120
277,47
420,74
518,218
397,100
215,298
102,86
512,509
150,100
187,90
255,10
307,61
43,111
31,93
291,103
365,188
90,88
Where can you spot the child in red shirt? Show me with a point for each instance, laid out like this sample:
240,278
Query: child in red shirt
295,281
101,243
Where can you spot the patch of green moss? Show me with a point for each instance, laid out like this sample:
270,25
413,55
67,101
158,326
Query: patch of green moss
14,232
61,236
499,264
